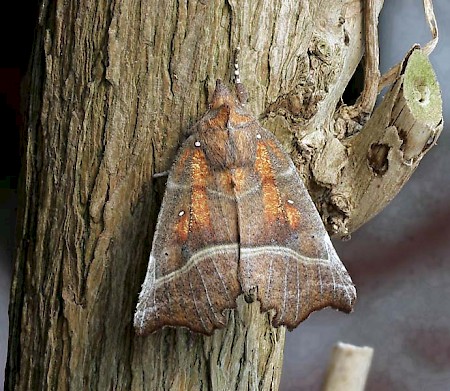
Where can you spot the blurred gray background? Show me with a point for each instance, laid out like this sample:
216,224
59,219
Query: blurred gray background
399,261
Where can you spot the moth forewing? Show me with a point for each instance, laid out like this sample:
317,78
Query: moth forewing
286,253
192,275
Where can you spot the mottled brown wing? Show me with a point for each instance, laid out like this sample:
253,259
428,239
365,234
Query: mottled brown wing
286,256
192,272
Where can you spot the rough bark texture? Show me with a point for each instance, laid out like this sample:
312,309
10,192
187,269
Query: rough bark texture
112,87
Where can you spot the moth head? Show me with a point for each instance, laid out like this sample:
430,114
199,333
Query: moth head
222,97
226,109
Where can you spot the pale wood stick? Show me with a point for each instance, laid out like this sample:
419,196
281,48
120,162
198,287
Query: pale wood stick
363,107
348,368
372,58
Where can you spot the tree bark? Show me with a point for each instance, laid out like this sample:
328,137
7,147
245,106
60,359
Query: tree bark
112,88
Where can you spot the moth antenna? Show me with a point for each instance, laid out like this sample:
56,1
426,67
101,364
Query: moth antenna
241,91
237,75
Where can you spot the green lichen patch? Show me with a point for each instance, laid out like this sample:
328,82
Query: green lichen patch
421,89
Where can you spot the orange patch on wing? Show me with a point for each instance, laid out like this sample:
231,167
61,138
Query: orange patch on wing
239,180
271,196
236,118
199,199
224,182
276,150
221,118
182,227
178,168
293,215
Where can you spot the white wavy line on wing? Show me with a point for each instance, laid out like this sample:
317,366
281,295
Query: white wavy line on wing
245,251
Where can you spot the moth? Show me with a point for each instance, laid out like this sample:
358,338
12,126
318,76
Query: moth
237,219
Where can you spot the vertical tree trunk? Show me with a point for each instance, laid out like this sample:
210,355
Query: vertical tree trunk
112,87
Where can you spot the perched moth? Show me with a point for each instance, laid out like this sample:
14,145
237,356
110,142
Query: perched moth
236,219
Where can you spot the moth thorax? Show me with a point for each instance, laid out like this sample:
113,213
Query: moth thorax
241,151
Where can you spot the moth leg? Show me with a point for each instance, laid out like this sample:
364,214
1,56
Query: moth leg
157,175
241,91
251,295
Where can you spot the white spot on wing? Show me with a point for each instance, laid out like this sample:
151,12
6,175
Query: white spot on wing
181,213
197,143
258,136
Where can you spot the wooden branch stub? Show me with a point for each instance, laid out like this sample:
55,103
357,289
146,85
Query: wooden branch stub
362,109
388,149
247,354
348,368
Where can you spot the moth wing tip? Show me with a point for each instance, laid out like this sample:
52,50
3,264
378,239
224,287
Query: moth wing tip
344,304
